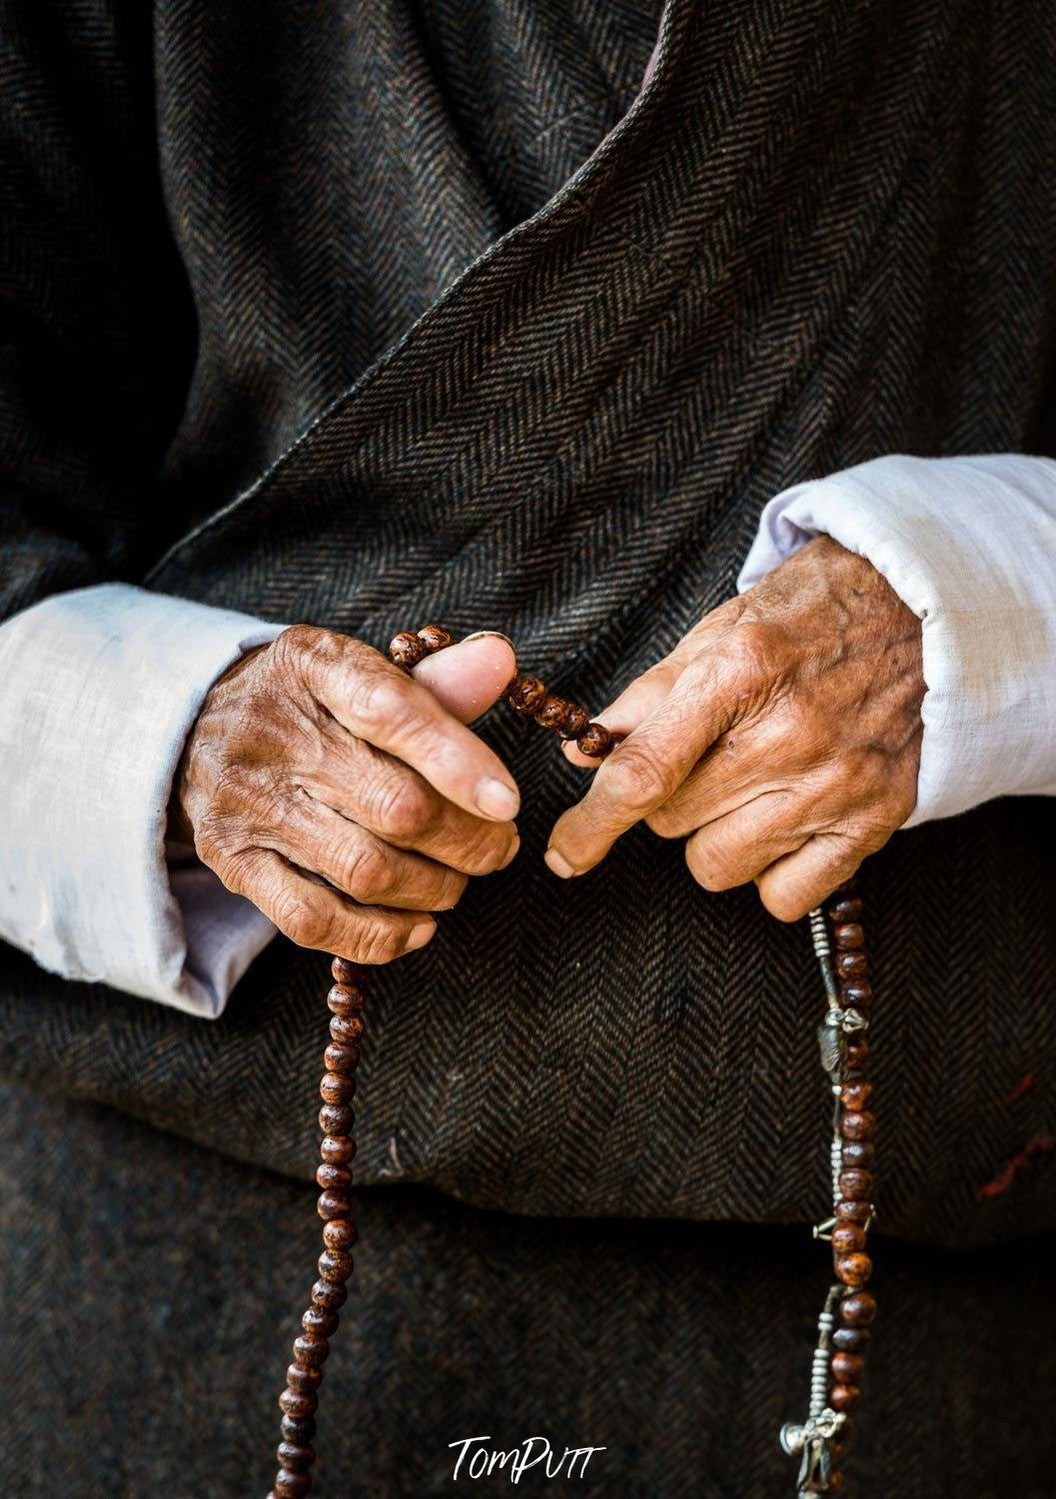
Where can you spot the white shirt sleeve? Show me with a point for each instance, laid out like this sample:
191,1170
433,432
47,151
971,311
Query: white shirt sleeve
98,690
969,544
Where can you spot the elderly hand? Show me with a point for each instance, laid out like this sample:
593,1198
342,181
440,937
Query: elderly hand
343,798
781,737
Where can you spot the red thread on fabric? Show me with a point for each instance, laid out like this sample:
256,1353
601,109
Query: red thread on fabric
1040,1145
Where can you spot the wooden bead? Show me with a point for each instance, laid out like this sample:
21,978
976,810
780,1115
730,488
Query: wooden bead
851,965
346,972
854,1269
346,1027
525,693
595,741
334,1266
856,1095
857,1126
846,1237
340,1056
291,1485
846,1367
847,908
857,995
435,638
310,1350
850,1339
339,1233
320,1320
344,1002
336,1119
858,1309
336,1087
334,1203
297,1405
858,1152
332,1176
291,1455
298,1432
856,1053
577,722
849,937
844,1397
853,1212
551,712
406,650
857,1185
337,1149
329,1293
302,1379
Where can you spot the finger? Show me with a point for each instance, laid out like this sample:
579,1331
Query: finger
366,867
469,677
797,883
734,849
642,773
635,703
380,704
313,915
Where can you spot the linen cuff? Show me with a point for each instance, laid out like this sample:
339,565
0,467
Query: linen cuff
98,691
969,544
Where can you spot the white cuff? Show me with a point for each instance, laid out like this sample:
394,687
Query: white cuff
969,544
98,690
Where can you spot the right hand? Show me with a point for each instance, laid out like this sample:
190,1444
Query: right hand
343,798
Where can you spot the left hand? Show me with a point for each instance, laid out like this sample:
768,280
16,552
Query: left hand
781,737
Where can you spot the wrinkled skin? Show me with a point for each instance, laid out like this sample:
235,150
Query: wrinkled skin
780,738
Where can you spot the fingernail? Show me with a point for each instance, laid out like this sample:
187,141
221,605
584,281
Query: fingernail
557,864
496,799
419,935
514,846
496,634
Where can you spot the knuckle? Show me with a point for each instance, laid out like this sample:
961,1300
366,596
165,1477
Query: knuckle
303,919
366,871
710,867
452,888
633,777
381,698
482,849
378,942
401,807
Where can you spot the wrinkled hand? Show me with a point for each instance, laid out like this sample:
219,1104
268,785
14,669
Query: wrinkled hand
781,737
343,798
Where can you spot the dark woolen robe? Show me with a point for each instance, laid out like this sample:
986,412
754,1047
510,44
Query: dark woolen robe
374,313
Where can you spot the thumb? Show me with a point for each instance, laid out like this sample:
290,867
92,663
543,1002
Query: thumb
470,676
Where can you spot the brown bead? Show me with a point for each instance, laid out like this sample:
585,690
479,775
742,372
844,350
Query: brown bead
336,1087
406,650
577,721
310,1350
291,1455
847,908
339,1233
858,1309
846,1237
346,1001
346,1027
321,1321
856,1052
595,741
435,637
854,1269
855,1125
856,1095
334,1203
856,996
346,972
846,1367
844,1397
303,1380
853,1212
525,693
298,1432
336,1119
332,1176
552,712
335,1266
849,937
851,965
329,1294
339,1056
337,1149
857,1185
858,1152
850,1339
297,1405
291,1485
